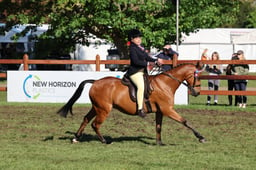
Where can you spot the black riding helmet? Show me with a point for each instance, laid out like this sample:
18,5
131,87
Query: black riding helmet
133,34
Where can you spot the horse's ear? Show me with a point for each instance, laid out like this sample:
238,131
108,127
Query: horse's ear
200,66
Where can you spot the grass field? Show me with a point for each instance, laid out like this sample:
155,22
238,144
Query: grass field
33,136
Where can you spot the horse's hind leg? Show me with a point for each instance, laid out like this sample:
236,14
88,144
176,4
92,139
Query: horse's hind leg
87,118
159,120
99,119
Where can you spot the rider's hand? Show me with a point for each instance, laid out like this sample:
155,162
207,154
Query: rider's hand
151,63
159,61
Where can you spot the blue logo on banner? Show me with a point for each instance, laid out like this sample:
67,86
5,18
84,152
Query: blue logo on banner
30,77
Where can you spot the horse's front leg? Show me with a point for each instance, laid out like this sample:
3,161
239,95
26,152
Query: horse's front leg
159,120
174,115
197,134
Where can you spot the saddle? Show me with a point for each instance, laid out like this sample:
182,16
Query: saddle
132,89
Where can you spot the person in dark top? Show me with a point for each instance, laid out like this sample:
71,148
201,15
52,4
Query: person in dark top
139,60
167,54
231,84
240,85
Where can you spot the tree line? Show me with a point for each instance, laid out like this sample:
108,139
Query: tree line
76,21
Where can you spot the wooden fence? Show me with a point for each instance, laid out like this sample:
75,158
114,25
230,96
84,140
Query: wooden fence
26,62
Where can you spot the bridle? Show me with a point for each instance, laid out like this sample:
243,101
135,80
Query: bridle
195,76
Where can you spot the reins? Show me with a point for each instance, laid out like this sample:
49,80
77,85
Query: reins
171,76
157,68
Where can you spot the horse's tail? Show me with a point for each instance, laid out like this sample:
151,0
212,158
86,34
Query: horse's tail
68,106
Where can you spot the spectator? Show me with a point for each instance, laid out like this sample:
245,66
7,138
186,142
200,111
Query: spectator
240,85
231,84
213,84
204,55
167,54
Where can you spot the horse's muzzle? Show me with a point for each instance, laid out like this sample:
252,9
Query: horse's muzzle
194,92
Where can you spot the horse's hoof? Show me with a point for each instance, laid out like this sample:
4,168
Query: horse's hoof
109,142
202,140
160,144
106,142
74,140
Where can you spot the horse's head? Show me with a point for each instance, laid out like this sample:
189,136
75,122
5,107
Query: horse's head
188,72
192,78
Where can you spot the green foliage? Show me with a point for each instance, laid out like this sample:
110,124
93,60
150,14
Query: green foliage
207,13
246,16
252,18
78,20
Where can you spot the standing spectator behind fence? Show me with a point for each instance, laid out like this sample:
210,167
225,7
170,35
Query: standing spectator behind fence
231,83
204,55
213,84
240,85
167,54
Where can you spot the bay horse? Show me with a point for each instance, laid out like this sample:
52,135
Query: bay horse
108,92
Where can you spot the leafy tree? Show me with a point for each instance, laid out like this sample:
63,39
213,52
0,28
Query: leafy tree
247,14
75,21
252,19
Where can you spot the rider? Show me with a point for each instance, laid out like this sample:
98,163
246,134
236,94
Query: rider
139,60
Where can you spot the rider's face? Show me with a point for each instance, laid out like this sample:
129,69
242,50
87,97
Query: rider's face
136,40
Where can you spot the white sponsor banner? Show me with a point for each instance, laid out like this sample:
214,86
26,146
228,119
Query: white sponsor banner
59,86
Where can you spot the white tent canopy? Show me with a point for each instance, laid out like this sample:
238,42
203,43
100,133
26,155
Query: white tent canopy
7,38
223,40
249,38
207,36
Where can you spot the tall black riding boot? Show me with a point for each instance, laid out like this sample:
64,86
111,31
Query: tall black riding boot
141,113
